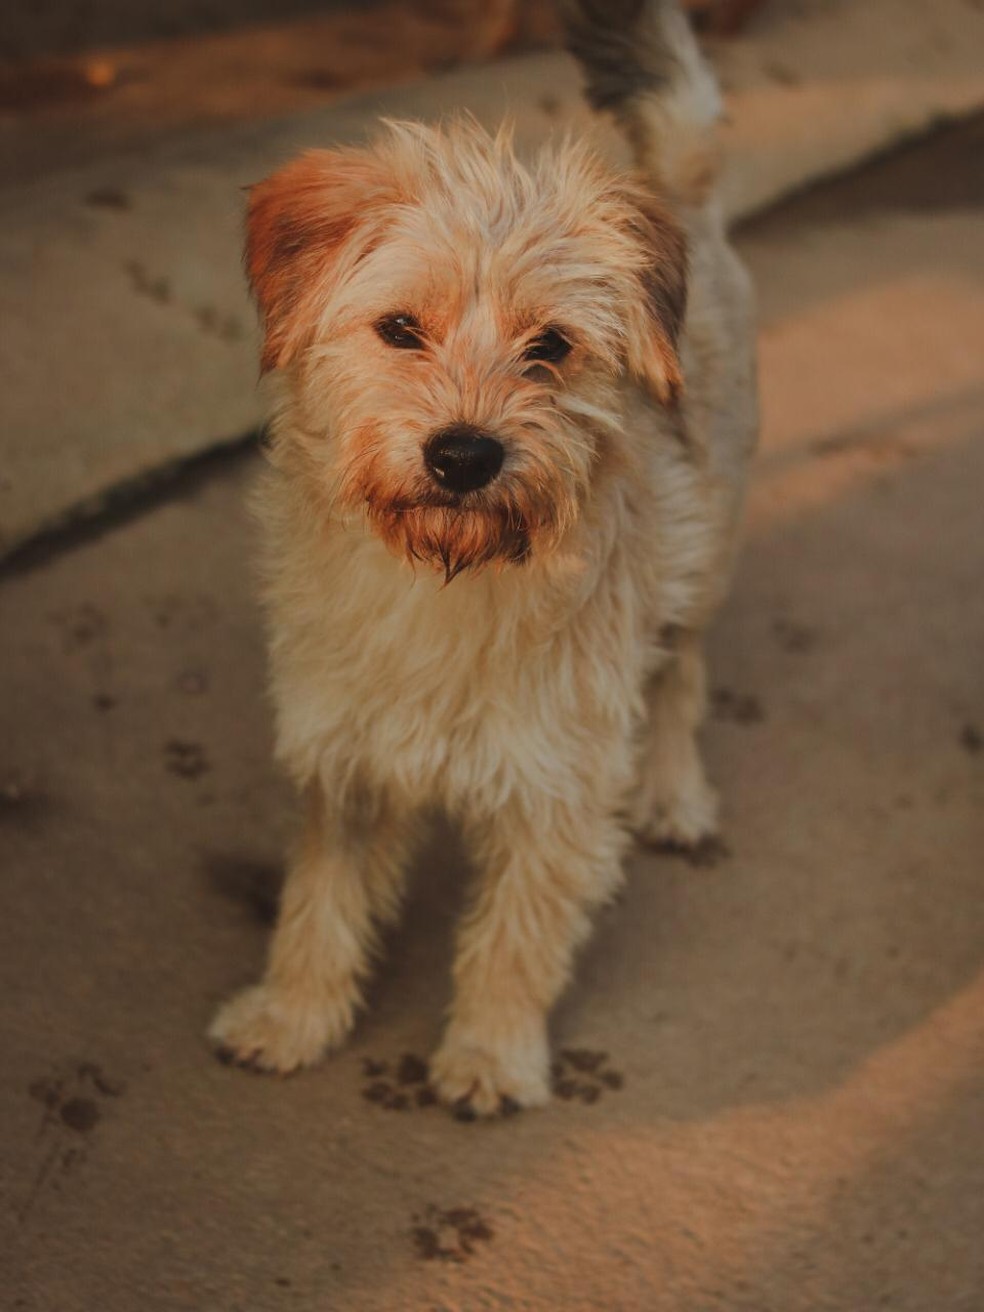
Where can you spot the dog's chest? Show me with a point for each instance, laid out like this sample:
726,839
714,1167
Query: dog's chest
448,693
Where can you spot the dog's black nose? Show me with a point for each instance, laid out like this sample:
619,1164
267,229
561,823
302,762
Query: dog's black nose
463,459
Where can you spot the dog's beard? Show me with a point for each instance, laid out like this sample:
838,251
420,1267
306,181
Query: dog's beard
453,538
454,534
521,514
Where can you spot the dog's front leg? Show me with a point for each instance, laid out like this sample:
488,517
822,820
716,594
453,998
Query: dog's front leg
543,866
346,876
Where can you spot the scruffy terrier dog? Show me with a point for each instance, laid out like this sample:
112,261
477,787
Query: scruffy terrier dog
505,476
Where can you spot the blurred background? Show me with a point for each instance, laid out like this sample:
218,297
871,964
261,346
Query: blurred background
124,69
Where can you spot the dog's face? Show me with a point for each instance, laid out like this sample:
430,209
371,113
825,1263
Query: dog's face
453,325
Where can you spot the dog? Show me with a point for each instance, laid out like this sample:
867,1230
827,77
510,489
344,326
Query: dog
516,406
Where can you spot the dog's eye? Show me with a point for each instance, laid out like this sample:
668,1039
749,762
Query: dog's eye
402,331
550,347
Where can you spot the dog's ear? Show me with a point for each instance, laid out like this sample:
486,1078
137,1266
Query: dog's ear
303,226
656,318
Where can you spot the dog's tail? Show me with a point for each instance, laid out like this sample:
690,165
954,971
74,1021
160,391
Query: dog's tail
642,62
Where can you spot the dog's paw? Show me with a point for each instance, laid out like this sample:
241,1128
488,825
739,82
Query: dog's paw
263,1029
475,1080
682,817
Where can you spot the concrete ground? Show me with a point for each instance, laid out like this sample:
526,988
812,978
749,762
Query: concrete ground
771,1084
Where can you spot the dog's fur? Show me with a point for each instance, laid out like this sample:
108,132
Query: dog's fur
526,656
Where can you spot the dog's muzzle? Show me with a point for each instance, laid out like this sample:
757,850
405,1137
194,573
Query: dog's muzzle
463,459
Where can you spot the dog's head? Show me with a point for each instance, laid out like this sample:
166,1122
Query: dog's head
453,323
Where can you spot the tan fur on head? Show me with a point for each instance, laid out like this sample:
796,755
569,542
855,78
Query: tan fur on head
432,290
301,225
448,226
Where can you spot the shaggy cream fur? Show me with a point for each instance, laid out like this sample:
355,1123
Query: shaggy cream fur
525,655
